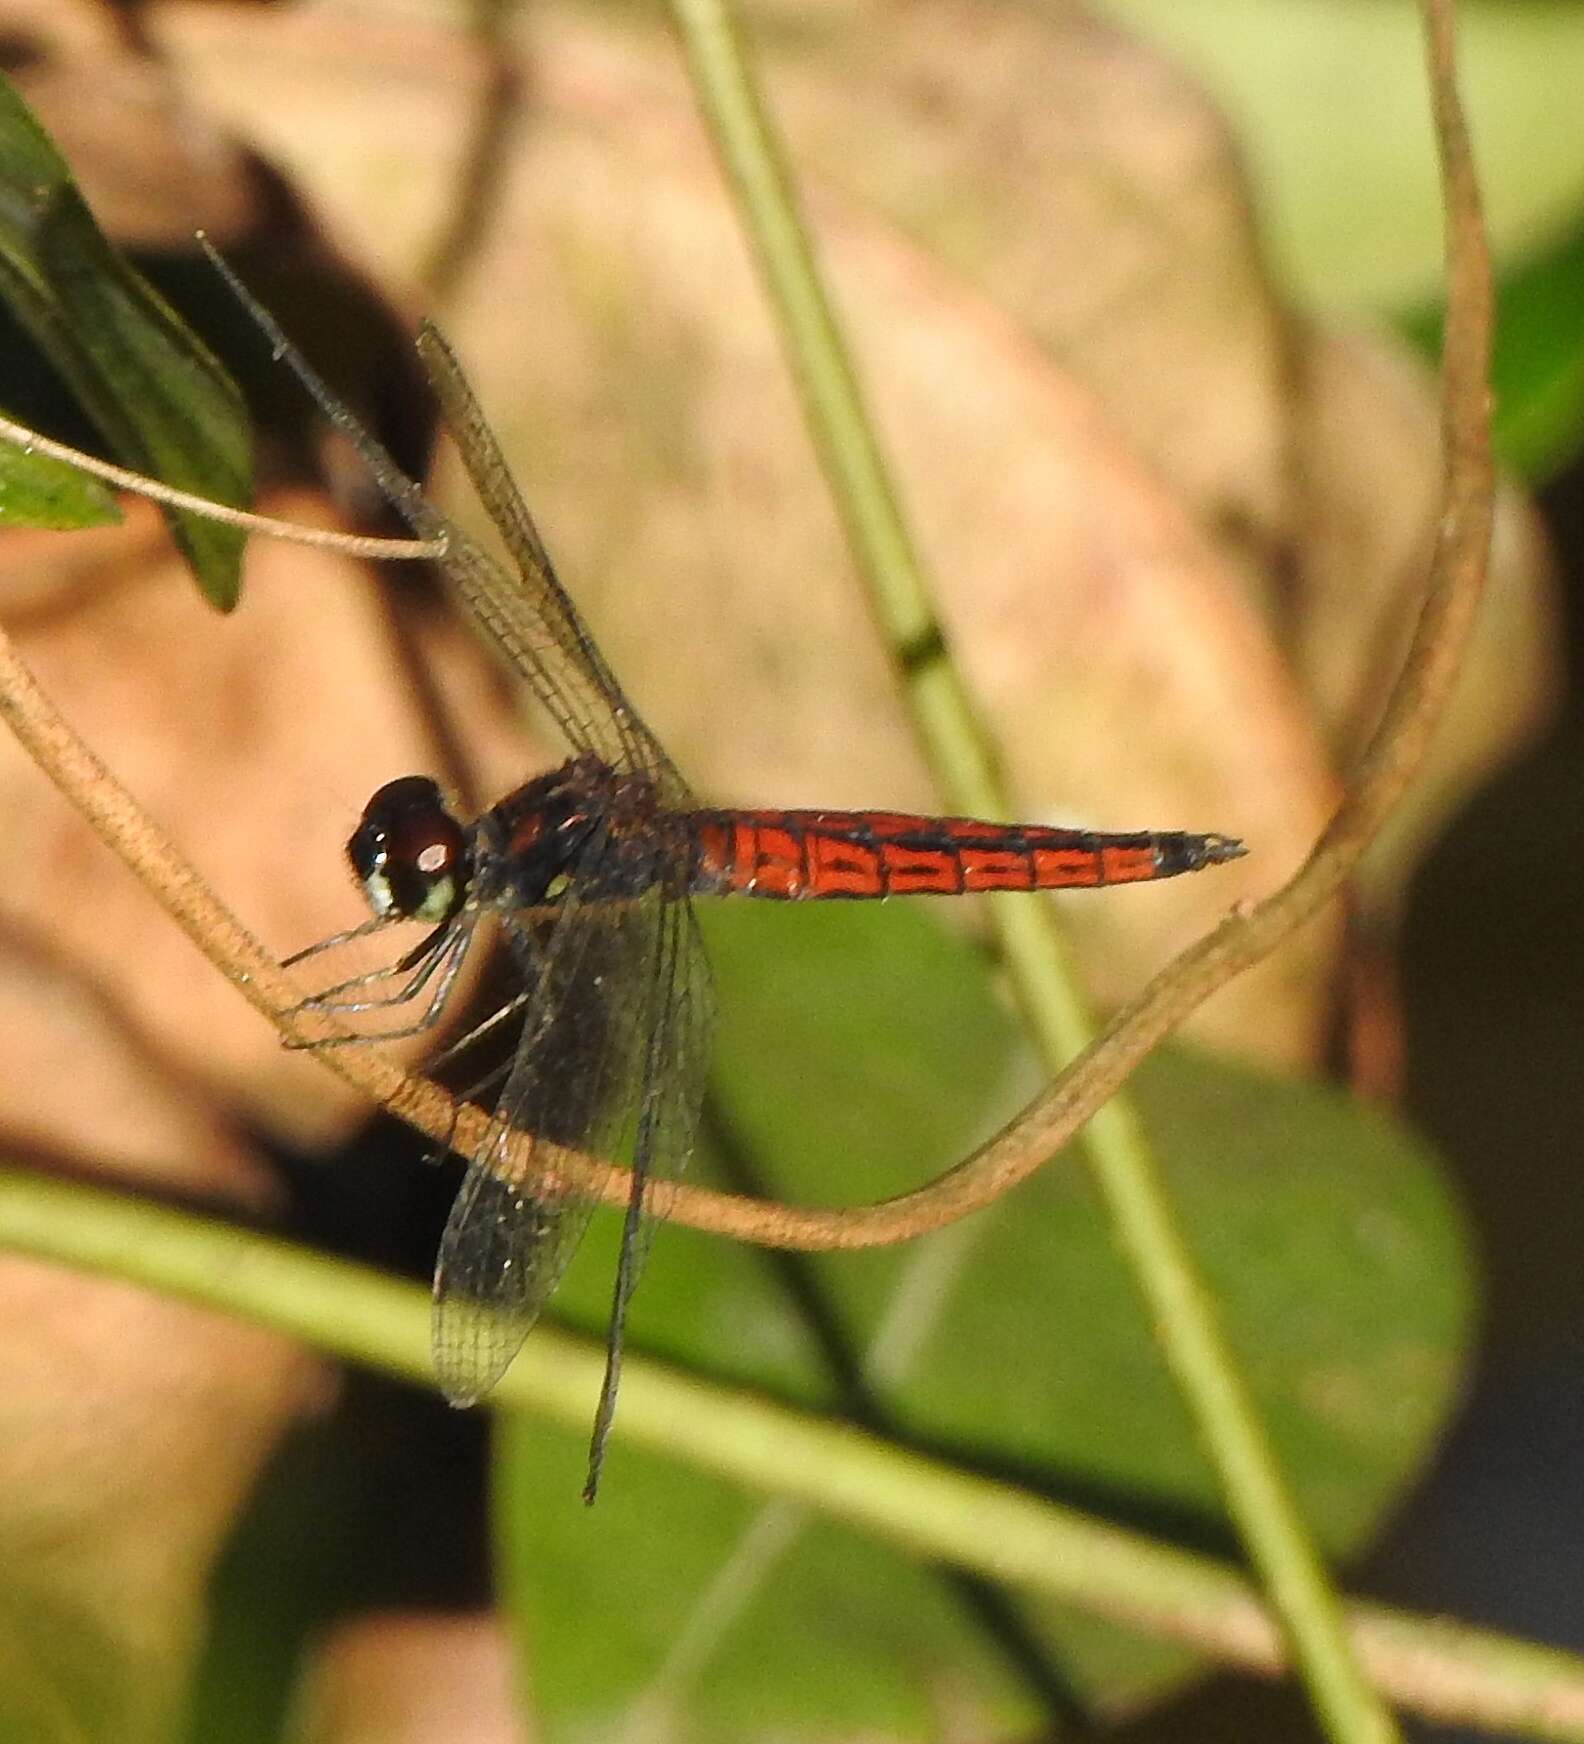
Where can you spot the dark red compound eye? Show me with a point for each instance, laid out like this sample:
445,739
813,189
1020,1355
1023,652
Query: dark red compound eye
409,853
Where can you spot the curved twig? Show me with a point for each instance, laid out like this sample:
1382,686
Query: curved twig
1389,764
293,532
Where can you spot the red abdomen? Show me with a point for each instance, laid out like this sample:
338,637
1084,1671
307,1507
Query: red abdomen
794,855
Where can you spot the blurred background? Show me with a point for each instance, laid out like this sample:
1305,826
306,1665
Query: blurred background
1146,300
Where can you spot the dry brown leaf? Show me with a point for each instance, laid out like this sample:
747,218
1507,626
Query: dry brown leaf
1087,186
253,740
1097,194
367,111
1368,451
153,167
1041,240
1127,247
621,345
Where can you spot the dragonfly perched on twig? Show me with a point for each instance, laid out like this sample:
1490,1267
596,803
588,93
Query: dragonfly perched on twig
589,872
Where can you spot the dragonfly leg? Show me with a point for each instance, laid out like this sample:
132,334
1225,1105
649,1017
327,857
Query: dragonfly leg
424,959
488,1082
454,1050
375,923
444,953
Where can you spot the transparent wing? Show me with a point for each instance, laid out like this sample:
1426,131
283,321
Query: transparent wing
502,1254
675,1067
529,615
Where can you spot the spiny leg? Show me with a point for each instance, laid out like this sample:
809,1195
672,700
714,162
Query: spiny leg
424,957
454,1050
375,923
447,959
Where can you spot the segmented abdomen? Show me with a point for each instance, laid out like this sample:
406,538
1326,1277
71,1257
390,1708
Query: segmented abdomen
794,855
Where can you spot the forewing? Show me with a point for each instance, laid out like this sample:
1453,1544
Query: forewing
575,1080
529,615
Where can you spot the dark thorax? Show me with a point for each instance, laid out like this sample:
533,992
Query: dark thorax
583,821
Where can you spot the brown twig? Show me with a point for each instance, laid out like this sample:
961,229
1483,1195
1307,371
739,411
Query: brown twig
1387,767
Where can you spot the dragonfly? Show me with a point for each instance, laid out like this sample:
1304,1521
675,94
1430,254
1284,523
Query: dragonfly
588,873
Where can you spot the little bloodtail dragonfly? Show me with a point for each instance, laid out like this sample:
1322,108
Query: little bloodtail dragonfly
589,872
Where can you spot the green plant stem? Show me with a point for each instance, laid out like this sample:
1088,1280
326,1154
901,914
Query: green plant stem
923,1504
959,751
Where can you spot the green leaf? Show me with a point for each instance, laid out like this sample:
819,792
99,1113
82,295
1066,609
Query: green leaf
287,1572
39,491
154,390
860,1053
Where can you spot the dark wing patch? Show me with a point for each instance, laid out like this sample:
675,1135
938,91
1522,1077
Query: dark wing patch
577,1080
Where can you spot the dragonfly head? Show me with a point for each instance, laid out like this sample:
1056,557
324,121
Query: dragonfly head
409,854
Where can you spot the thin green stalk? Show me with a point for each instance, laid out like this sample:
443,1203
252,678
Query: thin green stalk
959,751
924,1505
961,754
